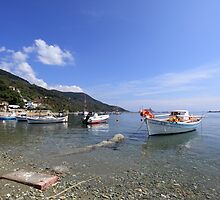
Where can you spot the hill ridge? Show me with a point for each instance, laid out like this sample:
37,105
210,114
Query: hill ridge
15,90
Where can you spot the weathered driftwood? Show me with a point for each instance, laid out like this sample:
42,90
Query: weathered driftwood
37,180
106,143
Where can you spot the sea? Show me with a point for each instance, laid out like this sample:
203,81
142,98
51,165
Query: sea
196,154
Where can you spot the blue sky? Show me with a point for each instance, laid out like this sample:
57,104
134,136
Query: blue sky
133,53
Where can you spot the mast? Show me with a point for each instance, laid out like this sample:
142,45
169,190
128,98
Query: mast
85,103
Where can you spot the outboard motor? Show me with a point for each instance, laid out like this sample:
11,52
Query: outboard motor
85,120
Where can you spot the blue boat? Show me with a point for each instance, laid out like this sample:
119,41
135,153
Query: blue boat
8,116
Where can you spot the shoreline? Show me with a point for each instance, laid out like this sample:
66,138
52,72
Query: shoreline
125,183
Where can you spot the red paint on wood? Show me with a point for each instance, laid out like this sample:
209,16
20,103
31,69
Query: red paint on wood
37,180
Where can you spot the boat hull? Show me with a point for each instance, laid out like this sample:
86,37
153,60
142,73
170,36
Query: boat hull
45,120
21,119
159,127
96,119
7,118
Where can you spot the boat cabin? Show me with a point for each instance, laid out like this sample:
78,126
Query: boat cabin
182,114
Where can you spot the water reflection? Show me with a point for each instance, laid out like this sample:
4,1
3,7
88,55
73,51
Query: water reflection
168,142
47,127
7,124
98,127
24,134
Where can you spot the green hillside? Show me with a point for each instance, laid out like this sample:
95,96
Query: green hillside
14,89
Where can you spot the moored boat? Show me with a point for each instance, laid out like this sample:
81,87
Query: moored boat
21,117
95,119
46,119
178,121
8,116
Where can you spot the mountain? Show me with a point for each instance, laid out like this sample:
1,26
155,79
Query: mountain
14,90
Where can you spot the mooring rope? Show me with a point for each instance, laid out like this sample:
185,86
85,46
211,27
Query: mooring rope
140,126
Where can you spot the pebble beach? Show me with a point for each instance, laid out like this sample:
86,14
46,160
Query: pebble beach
127,183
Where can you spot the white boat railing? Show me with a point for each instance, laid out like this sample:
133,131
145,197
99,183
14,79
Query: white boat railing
163,115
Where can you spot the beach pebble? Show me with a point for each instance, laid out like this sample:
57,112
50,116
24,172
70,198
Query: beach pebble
62,169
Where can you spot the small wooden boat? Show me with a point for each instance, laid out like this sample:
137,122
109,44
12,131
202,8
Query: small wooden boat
178,121
95,119
8,116
46,119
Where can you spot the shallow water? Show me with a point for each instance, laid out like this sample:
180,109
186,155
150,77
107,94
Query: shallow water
196,154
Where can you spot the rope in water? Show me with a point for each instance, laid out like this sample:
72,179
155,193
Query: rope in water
140,126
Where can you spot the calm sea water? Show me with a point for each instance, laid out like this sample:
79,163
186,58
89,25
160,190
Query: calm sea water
47,145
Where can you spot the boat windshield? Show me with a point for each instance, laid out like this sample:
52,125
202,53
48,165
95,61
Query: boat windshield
177,113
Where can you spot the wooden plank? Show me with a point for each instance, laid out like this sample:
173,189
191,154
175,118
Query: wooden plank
37,180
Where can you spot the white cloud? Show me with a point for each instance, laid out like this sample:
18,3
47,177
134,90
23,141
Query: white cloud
52,54
2,49
25,71
183,81
29,49
186,77
17,62
19,57
162,90
199,103
5,66
65,88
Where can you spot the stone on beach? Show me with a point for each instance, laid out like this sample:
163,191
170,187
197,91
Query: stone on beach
106,143
116,139
61,169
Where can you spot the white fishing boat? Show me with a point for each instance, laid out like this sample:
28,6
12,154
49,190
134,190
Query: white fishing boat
21,117
95,119
177,121
46,119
